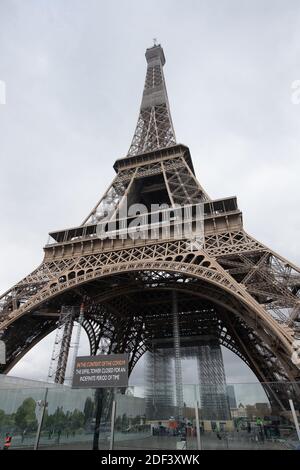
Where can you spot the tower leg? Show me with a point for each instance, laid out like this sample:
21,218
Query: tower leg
64,351
62,343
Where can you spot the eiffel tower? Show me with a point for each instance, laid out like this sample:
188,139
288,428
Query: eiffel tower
229,287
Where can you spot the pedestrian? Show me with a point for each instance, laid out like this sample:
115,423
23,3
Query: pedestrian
58,436
7,441
23,435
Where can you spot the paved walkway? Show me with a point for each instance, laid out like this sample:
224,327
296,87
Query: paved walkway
123,441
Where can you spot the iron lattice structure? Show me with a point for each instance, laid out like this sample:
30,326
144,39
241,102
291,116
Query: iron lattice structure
159,383
154,129
62,344
213,394
161,400
232,287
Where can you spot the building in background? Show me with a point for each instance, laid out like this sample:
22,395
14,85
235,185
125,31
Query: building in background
231,396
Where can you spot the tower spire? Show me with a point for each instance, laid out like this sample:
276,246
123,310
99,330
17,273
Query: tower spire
154,128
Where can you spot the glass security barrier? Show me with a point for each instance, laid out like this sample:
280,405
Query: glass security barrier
238,416
19,416
77,419
70,419
258,417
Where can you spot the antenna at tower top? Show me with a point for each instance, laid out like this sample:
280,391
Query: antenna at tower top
154,41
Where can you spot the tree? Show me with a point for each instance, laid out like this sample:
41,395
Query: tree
6,420
76,420
59,419
25,417
136,420
125,422
118,423
88,411
2,416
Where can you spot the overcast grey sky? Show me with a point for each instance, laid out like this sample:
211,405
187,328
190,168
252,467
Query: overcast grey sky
74,72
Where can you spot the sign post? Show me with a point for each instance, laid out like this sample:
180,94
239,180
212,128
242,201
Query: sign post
43,406
112,428
105,370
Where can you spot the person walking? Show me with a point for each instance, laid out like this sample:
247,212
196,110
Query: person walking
7,441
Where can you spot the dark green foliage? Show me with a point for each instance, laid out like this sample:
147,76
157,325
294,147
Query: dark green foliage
25,417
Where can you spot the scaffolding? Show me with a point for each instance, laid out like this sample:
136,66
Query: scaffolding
177,356
159,389
163,398
212,381
63,344
74,346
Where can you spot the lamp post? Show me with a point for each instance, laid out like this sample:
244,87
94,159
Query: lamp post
43,405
